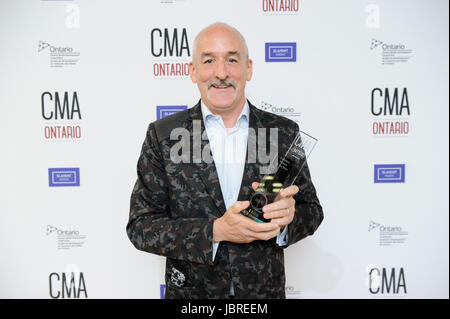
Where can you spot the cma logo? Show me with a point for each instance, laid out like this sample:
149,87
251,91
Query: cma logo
67,285
166,43
388,102
64,107
386,281
393,103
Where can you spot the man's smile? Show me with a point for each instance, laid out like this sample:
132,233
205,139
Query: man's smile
221,85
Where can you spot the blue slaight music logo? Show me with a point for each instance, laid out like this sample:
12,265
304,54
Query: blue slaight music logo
58,177
162,291
389,173
165,110
281,52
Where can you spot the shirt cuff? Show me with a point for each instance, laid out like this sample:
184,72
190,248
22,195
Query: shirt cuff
215,247
282,238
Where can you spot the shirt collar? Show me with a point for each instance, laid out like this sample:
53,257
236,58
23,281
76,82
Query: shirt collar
208,115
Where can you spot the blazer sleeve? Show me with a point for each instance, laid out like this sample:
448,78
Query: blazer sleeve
308,211
151,228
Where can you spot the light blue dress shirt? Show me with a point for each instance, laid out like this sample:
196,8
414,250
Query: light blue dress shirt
229,149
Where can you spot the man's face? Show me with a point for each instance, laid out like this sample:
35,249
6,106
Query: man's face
220,69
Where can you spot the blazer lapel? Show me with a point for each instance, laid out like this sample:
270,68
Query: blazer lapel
206,171
252,167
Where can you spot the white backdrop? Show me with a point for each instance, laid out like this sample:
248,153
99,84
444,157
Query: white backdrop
383,236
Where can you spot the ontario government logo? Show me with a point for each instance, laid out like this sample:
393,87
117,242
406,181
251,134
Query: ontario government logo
61,114
281,51
390,112
166,110
66,239
59,56
391,53
388,235
292,292
286,111
171,53
64,177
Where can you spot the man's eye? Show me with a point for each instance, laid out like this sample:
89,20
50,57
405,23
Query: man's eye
208,61
232,60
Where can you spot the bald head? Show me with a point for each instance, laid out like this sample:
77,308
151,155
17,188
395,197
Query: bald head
212,31
220,67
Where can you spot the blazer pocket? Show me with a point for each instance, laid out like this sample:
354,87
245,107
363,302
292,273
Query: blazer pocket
173,292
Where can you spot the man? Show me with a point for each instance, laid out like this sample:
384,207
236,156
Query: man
190,211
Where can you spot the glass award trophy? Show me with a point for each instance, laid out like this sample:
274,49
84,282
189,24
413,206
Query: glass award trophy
287,172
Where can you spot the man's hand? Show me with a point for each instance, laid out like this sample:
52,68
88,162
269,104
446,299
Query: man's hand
282,210
236,228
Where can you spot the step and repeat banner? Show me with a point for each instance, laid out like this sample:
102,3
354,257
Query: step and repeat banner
81,80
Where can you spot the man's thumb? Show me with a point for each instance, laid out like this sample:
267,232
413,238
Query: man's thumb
238,206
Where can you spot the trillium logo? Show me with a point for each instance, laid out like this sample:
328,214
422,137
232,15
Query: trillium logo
50,229
42,46
373,225
266,106
375,43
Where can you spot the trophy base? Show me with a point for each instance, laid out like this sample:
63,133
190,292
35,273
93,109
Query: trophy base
255,215
257,202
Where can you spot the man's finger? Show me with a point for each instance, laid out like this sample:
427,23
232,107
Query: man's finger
281,221
289,191
267,235
255,185
283,203
277,213
261,227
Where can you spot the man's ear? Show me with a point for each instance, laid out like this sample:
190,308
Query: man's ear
192,70
249,69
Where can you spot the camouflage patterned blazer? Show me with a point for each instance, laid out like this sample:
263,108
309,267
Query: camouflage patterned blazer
173,207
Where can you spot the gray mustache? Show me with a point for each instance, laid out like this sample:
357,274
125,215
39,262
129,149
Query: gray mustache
218,83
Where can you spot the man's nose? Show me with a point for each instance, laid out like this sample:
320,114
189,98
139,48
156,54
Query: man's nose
221,70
